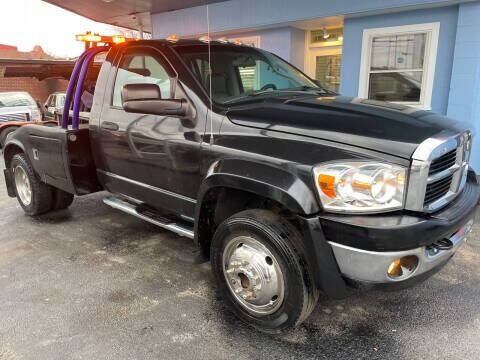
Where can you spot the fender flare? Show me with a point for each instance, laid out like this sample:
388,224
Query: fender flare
13,143
258,178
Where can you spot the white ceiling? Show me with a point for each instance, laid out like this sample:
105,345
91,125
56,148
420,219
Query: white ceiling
125,13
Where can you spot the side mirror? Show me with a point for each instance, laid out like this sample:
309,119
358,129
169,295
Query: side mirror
147,99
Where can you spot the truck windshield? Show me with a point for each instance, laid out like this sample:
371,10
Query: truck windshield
239,72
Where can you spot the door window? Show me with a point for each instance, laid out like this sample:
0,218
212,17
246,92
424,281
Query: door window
140,68
60,100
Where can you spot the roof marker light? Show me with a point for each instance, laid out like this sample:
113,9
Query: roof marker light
223,40
88,37
205,39
91,39
173,38
237,42
118,39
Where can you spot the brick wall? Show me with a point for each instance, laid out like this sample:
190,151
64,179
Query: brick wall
39,90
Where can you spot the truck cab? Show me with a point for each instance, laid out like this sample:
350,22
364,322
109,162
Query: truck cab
287,188
53,106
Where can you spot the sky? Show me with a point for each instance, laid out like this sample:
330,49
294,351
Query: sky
26,23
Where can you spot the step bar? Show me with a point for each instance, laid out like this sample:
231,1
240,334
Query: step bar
181,229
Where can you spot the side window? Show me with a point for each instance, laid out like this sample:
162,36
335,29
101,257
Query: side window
52,101
60,101
140,68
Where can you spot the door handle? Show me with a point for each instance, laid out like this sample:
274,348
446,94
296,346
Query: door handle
107,125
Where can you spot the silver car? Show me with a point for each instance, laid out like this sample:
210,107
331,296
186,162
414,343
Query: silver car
18,106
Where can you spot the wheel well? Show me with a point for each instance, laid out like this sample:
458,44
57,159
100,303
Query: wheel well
10,152
7,128
220,203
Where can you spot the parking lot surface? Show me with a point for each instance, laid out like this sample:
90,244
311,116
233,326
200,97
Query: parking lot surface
94,283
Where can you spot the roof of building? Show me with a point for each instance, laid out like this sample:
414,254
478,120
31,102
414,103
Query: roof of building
126,13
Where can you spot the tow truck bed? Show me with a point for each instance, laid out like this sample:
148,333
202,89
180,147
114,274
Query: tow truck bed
61,157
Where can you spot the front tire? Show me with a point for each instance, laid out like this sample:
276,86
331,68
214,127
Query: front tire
261,272
34,196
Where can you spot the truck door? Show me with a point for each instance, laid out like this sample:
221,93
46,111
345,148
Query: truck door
154,159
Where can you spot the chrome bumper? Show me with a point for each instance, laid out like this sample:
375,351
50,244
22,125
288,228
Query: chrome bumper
371,267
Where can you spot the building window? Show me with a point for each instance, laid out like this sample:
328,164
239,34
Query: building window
326,36
398,64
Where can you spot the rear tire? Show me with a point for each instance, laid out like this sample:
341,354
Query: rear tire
61,199
4,133
34,196
260,268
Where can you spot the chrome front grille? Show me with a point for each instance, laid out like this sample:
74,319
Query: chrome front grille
437,189
438,172
443,162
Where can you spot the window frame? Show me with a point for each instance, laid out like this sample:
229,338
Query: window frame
155,53
431,30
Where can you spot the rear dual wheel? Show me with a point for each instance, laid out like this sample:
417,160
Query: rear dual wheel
259,265
34,196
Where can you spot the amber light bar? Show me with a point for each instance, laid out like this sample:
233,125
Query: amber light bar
96,38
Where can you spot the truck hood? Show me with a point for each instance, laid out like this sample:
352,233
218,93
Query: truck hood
385,127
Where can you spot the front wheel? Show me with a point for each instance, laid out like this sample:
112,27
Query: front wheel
260,270
34,196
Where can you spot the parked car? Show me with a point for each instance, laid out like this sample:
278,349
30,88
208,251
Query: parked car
16,107
286,187
53,107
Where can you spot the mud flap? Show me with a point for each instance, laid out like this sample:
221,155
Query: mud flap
9,182
320,255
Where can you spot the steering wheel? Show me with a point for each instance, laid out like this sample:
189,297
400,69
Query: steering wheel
269,86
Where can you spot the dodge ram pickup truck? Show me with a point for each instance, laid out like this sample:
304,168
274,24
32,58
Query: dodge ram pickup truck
288,189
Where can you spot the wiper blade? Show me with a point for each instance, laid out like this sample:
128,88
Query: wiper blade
277,91
252,94
311,88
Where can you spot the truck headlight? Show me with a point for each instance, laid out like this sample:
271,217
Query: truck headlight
360,186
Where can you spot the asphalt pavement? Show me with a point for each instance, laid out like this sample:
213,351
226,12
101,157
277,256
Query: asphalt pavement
94,283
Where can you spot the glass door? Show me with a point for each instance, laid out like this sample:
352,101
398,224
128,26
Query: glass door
324,66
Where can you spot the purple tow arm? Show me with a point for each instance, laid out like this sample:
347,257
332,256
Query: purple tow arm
70,88
76,84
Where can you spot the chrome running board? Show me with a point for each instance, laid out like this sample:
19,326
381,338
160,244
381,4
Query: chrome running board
180,228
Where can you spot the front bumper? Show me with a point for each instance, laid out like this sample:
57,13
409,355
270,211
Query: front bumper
363,266
382,239
361,248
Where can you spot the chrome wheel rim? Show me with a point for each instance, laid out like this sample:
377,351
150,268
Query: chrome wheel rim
22,183
253,275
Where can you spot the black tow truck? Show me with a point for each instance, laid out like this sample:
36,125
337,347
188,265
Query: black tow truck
287,188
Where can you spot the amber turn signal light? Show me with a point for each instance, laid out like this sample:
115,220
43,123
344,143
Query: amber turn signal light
327,185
